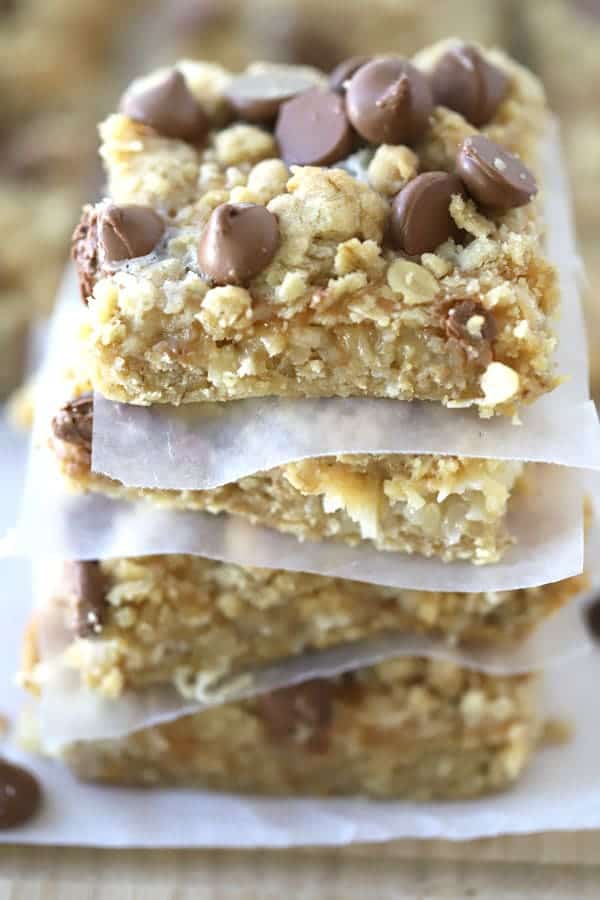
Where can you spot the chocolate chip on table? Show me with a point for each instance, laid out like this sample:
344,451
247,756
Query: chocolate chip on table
129,231
345,70
169,107
470,322
20,795
463,80
73,423
389,101
313,129
420,218
257,97
494,177
238,241
303,712
592,617
86,582
84,251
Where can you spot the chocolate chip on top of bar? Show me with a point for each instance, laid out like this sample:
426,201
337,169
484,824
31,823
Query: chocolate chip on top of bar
285,233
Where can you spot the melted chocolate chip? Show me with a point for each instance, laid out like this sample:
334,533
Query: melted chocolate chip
302,712
420,219
313,129
169,107
87,584
470,322
129,231
465,81
257,97
389,102
239,241
84,252
494,177
73,423
345,70
20,795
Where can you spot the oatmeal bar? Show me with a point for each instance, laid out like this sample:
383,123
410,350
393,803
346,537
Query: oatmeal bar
410,728
307,32
244,252
196,624
446,506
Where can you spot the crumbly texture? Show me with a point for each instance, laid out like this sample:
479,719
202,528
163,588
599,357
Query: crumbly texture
448,507
445,506
408,728
197,624
336,313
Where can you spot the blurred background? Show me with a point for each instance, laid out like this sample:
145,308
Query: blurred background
63,64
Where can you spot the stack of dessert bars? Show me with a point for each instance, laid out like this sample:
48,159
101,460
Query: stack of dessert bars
374,232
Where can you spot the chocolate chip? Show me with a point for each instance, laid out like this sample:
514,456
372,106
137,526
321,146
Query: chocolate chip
420,219
169,107
20,795
239,241
313,129
257,97
73,423
345,70
84,252
302,712
470,322
592,617
389,102
87,584
465,81
129,231
493,176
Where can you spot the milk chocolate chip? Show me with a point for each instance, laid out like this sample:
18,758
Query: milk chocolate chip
73,423
84,251
86,582
389,101
345,70
129,231
239,241
470,322
420,219
302,712
465,81
169,107
494,177
20,795
313,129
257,97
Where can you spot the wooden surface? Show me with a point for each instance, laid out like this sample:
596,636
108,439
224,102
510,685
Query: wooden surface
540,866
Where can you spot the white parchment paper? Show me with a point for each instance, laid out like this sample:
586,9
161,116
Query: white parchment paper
200,446
68,711
546,521
561,790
